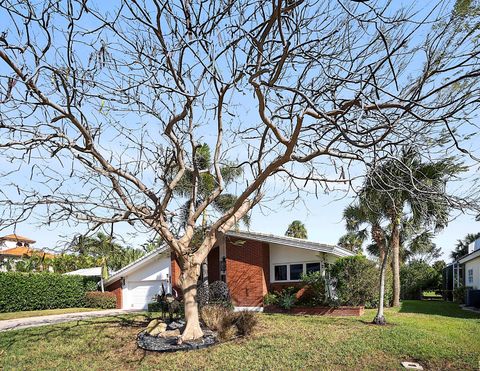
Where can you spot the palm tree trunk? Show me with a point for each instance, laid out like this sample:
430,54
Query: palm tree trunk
380,317
395,245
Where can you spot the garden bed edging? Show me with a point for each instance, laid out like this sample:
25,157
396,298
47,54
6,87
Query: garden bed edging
317,311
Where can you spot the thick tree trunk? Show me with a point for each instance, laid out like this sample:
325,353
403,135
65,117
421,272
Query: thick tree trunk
395,245
188,281
380,317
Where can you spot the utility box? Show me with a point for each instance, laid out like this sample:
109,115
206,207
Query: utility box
473,298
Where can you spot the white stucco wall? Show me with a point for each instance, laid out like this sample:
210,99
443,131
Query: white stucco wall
280,254
475,265
157,269
145,282
4,245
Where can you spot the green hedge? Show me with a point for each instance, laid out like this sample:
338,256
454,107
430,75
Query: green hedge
36,291
97,299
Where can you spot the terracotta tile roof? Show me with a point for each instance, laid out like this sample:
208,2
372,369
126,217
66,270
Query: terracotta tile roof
16,238
22,251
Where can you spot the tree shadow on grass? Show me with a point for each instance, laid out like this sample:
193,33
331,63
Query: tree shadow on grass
106,327
438,308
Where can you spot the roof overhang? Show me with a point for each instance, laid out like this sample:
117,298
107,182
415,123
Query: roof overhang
137,264
471,256
291,242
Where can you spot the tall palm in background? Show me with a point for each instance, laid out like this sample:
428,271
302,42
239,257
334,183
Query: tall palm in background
297,229
353,241
367,218
461,248
409,186
202,185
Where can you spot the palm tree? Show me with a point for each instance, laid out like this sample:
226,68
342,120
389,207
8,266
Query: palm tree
201,182
364,218
353,241
297,229
408,185
461,248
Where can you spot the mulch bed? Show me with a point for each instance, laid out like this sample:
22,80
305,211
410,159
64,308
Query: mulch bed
169,344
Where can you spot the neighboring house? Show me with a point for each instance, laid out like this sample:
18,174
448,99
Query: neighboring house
471,266
250,263
11,241
14,248
463,272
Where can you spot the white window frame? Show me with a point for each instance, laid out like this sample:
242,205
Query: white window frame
273,280
470,276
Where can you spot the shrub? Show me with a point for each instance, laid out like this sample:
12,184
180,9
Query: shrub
287,298
315,290
154,306
355,279
415,278
97,299
245,321
214,315
36,291
270,298
237,323
459,294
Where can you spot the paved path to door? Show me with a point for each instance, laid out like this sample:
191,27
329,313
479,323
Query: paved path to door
15,324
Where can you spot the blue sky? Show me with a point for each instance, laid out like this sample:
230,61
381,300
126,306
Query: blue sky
323,217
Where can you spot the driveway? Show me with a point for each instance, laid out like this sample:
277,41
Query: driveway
15,324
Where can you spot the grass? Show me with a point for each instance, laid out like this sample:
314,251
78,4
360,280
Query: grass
46,312
438,335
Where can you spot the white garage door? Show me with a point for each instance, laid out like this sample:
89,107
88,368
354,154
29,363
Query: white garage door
140,293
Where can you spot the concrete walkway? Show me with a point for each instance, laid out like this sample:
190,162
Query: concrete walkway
16,324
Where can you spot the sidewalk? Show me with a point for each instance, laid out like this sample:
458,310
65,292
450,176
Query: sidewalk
20,323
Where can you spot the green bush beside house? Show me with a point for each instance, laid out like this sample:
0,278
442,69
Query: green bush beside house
37,291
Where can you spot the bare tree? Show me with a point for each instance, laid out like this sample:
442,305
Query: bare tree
105,106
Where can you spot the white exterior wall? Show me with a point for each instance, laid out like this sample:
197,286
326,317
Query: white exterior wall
144,283
4,245
475,265
280,254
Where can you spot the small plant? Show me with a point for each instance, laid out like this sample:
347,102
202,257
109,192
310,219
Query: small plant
237,324
270,298
154,307
316,293
245,321
214,315
459,294
287,298
97,299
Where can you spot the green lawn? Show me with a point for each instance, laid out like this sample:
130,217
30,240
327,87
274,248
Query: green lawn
46,312
438,335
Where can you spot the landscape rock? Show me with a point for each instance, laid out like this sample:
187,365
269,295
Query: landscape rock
170,333
176,325
159,329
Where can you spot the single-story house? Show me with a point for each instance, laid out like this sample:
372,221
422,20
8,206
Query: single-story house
471,266
251,263
464,272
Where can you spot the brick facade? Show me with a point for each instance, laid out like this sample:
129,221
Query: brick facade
116,288
248,271
175,274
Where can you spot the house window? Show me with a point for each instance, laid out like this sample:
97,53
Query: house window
280,272
296,271
313,267
470,276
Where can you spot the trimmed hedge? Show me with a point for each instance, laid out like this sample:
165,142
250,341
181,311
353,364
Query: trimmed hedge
97,299
37,291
